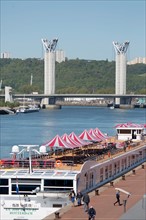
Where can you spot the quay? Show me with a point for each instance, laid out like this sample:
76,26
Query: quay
98,103
135,183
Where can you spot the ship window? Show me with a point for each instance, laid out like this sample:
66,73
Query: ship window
37,172
57,205
9,172
24,189
125,131
4,190
22,172
67,183
27,181
71,174
60,173
3,181
49,173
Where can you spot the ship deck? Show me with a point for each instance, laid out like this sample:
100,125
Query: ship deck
72,159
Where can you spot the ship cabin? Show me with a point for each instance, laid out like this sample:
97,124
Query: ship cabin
130,131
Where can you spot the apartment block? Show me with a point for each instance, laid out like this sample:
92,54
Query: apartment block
60,56
137,60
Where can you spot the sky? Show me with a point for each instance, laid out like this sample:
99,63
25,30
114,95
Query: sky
85,29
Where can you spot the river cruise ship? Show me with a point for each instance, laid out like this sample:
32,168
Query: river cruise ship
37,186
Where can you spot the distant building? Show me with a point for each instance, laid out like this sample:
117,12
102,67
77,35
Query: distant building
8,94
5,55
137,60
60,56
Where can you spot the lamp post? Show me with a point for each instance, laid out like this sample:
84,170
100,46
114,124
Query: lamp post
125,202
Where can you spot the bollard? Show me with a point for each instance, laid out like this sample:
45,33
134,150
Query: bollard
57,215
96,192
142,166
133,171
124,203
123,177
111,183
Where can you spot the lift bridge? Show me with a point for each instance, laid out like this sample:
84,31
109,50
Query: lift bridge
127,99
49,97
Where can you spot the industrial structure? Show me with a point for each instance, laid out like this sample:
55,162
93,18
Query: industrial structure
120,82
49,68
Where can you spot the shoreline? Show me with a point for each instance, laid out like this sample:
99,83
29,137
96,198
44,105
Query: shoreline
108,105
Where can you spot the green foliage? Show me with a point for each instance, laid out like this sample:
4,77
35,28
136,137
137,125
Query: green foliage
72,76
9,104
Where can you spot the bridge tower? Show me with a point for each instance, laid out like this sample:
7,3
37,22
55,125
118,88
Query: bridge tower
49,68
120,78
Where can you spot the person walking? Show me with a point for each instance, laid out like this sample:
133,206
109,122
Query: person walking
91,213
86,200
79,198
118,198
72,197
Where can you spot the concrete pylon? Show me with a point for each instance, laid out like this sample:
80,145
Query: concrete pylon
120,76
49,69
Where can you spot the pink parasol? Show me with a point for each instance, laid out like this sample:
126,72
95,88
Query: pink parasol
78,140
86,136
58,142
69,140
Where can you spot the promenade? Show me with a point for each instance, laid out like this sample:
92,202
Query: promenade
104,202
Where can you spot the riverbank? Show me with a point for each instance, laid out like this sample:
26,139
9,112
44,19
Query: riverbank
134,183
98,104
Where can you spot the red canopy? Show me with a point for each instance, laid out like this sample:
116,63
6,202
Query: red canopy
69,140
95,135
100,134
86,136
77,139
129,125
58,142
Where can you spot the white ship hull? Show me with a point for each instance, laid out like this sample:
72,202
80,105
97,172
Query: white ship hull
37,208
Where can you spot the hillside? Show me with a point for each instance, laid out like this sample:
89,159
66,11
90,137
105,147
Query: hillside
72,76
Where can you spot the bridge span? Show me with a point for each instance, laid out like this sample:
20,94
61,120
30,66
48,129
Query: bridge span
126,100
41,96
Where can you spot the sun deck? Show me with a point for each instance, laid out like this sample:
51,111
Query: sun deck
72,159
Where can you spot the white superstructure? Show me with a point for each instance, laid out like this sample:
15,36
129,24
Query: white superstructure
49,67
120,87
37,194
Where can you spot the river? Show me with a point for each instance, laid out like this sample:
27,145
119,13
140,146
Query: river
40,127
